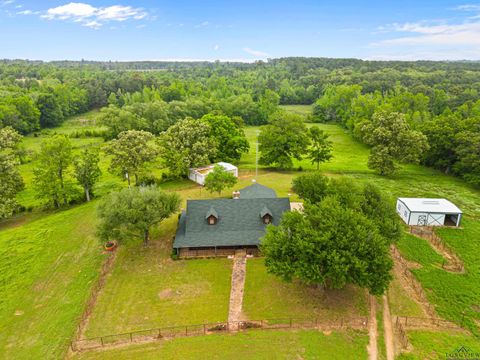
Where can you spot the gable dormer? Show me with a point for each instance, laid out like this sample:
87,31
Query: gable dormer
211,216
266,215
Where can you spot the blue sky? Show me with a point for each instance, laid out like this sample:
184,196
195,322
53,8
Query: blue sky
238,30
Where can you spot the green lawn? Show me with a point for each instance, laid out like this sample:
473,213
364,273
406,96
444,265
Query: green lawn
147,289
436,344
252,344
401,304
267,297
48,266
303,110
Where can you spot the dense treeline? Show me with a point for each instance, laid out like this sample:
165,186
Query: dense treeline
34,94
431,109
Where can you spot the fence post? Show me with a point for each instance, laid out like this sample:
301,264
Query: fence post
290,322
316,322
341,322
159,333
101,340
131,337
406,320
204,329
72,346
186,330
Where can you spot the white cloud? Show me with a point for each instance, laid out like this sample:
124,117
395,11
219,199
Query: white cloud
257,53
94,17
203,24
6,2
216,47
28,12
439,40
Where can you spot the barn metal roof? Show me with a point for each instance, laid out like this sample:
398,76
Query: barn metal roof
430,205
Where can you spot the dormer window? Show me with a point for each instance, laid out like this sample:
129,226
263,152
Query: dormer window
211,216
266,215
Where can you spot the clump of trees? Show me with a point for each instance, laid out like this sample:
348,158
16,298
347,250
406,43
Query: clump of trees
11,181
392,140
133,212
54,176
342,236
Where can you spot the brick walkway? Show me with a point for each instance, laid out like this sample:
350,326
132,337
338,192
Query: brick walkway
237,288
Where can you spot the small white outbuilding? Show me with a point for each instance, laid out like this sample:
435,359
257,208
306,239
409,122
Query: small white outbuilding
428,212
198,175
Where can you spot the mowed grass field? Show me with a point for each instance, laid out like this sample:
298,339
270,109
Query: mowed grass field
53,258
252,344
267,297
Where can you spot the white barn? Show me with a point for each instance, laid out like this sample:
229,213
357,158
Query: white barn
198,175
428,212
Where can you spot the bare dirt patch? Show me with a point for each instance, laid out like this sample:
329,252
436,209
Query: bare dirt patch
165,294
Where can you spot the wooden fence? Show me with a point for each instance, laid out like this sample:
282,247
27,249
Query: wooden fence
219,327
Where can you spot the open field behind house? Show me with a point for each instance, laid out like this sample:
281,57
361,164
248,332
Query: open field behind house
252,344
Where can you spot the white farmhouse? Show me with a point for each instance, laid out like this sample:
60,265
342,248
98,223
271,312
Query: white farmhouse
428,212
198,175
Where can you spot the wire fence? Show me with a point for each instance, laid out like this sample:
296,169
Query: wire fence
452,263
413,282
218,327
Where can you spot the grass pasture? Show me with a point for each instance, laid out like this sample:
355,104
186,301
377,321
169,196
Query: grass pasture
432,345
303,110
48,266
252,344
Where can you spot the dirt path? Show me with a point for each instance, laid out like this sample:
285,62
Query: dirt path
388,329
372,347
236,291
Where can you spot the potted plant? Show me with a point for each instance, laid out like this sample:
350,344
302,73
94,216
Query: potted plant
110,246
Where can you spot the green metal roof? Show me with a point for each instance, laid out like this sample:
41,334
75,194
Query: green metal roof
256,191
239,222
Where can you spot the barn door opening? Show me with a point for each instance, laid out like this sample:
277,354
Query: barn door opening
451,220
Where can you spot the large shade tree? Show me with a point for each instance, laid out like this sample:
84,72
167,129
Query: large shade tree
342,237
132,212
131,152
52,180
285,138
187,144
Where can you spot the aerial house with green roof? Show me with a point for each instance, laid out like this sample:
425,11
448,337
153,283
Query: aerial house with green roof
221,227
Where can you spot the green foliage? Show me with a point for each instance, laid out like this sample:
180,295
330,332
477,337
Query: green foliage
219,179
87,171
392,140
10,179
284,138
343,236
311,187
230,138
329,245
132,212
320,149
187,144
131,151
52,181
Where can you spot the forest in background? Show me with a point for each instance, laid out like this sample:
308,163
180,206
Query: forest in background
440,99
